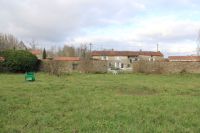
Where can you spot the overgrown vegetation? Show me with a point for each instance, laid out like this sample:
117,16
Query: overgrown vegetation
89,103
18,61
53,67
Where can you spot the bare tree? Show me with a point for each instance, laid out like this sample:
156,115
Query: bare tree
83,51
198,44
86,62
52,51
52,67
68,51
8,41
33,45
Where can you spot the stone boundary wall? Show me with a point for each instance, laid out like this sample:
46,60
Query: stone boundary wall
166,67
99,66
89,66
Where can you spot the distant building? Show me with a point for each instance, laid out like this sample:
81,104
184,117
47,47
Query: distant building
71,63
124,59
37,53
184,58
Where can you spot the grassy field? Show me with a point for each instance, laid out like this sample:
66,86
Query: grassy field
101,103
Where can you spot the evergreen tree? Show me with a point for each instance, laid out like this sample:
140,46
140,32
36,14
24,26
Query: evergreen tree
44,54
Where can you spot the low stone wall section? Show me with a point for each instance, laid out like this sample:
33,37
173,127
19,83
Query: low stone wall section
166,67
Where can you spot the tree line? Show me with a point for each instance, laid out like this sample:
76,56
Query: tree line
9,42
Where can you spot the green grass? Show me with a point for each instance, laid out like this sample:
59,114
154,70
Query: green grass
101,103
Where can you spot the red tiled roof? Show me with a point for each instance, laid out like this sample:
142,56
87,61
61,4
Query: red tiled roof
184,58
126,53
2,59
67,58
36,52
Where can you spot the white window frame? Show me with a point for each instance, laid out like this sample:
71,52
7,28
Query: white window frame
104,57
115,64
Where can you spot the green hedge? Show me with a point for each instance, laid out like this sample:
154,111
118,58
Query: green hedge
18,61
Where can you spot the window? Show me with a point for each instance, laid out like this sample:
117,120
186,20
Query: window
74,66
149,59
110,65
135,59
115,64
104,58
122,65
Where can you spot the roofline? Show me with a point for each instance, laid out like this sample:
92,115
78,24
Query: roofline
126,53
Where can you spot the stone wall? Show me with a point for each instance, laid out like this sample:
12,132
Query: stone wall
99,66
166,67
148,58
91,66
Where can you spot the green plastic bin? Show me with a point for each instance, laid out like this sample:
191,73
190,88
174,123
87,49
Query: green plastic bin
29,76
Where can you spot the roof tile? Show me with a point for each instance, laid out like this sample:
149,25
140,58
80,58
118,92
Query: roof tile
36,52
126,53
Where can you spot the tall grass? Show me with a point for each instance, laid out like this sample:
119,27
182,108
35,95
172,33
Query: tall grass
100,103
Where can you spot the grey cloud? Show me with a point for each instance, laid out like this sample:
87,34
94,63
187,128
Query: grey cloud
57,21
60,19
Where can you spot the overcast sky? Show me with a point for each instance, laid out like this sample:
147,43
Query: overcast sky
118,24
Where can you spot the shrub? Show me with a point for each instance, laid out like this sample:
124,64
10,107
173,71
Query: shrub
19,61
183,71
53,67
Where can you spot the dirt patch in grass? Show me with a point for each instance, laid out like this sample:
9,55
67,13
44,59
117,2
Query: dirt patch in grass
192,92
139,91
187,94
